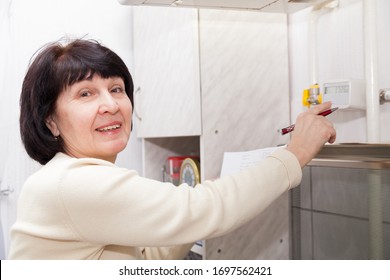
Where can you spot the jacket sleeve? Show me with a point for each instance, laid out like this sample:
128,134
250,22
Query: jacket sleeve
166,253
112,205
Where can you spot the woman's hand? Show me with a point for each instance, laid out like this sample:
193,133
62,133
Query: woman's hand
310,133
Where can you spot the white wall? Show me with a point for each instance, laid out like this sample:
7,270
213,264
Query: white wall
340,55
26,26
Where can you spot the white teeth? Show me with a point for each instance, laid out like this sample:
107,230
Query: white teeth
108,128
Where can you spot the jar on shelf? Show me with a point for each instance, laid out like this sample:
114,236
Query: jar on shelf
171,169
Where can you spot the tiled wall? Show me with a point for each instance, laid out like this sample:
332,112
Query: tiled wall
330,213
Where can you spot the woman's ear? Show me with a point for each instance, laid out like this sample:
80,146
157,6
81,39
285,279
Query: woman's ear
52,126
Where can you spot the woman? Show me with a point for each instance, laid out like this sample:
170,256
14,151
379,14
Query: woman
76,108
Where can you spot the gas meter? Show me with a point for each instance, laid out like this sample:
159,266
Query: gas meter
345,94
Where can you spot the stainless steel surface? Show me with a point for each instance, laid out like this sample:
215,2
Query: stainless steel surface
354,155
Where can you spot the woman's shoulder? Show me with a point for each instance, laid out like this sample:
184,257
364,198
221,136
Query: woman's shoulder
63,166
62,159
69,175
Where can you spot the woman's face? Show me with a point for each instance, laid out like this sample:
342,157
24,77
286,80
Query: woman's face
93,118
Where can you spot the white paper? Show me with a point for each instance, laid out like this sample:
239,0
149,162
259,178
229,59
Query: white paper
234,162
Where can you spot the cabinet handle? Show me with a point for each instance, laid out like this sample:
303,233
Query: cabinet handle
136,107
6,192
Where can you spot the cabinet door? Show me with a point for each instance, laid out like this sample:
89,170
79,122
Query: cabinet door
166,73
245,97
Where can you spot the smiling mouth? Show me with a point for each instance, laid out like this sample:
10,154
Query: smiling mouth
108,128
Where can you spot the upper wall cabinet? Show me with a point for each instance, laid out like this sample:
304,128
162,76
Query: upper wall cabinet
166,72
279,6
222,76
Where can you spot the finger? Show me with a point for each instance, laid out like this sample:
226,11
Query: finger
330,131
332,137
320,108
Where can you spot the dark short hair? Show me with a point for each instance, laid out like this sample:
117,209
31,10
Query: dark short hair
54,68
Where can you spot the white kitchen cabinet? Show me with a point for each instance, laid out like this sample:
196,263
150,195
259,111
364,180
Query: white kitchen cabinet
166,72
242,74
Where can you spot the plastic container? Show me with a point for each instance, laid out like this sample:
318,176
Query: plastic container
171,170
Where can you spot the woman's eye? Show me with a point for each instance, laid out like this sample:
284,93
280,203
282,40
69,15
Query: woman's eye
117,90
85,93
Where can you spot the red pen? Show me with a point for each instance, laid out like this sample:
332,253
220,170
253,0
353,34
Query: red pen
290,128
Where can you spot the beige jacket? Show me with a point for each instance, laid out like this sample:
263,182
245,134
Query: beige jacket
91,209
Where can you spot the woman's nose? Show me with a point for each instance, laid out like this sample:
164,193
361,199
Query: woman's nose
108,104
